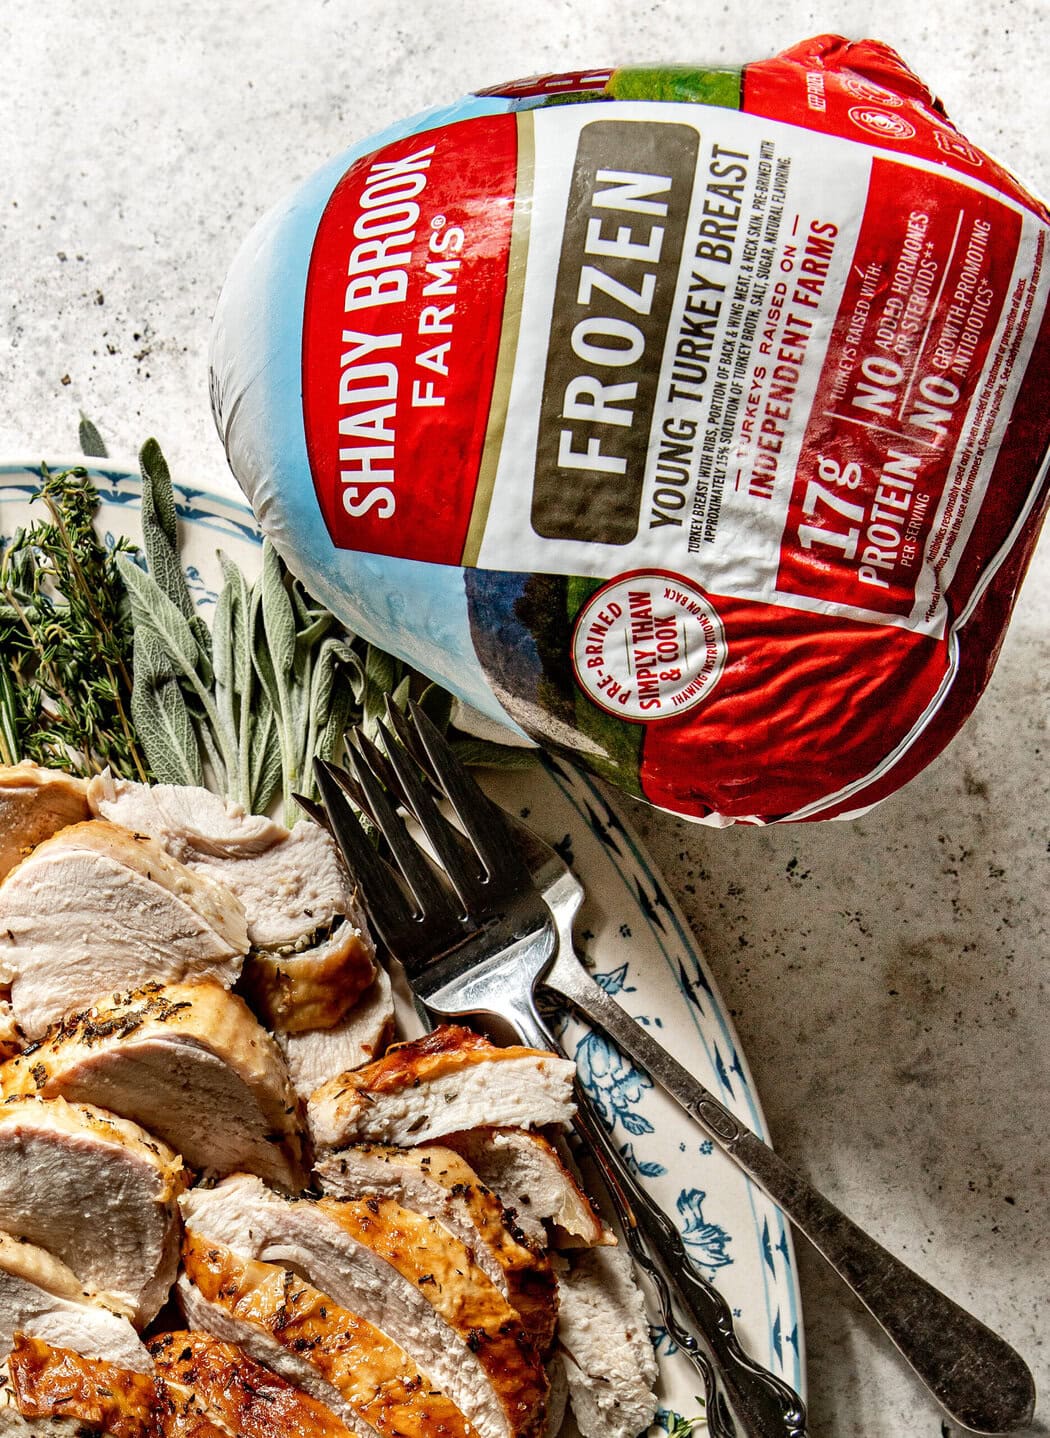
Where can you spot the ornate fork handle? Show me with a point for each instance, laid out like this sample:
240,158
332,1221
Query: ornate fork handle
766,1406
976,1376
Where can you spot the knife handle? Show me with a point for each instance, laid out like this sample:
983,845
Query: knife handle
981,1382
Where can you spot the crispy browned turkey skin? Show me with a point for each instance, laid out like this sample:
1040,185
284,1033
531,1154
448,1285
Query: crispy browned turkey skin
34,804
336,1354
437,1182
189,1062
449,1080
244,1396
52,1382
404,1274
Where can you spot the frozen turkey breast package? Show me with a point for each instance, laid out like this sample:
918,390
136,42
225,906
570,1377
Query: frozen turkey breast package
692,422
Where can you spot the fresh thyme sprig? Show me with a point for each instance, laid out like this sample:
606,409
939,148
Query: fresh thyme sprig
65,639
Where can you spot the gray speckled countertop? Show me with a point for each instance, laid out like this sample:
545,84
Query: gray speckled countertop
887,976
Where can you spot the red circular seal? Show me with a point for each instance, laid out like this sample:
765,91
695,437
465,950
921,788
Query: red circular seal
648,645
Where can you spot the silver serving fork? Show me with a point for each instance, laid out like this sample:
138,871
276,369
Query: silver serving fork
483,955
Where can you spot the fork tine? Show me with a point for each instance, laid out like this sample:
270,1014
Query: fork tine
387,907
481,819
380,766
409,737
313,810
432,897
455,854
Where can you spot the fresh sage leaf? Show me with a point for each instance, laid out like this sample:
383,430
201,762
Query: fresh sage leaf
159,521
156,479
154,609
92,445
277,611
240,611
266,764
160,715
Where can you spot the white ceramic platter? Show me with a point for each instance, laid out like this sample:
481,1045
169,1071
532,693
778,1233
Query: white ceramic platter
633,937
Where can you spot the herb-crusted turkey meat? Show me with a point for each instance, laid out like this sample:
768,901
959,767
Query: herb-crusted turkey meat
311,956
403,1273
448,1080
437,1182
341,1359
97,909
533,1183
191,1063
245,1398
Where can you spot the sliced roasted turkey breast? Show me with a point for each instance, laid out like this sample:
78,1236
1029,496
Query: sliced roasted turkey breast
34,804
604,1338
11,1037
318,1055
339,1357
238,1393
40,1297
57,1388
439,1183
97,909
311,984
56,1393
311,955
448,1080
191,823
99,1192
191,1063
534,1184
402,1272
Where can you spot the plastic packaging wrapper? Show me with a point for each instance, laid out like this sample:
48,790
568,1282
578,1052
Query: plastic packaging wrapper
693,422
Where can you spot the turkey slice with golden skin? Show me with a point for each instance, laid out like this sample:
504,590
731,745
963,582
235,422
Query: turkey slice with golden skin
311,956
534,1183
34,804
405,1274
191,1063
101,1193
450,1079
318,1055
55,1393
96,909
348,1363
439,1183
242,1395
40,1297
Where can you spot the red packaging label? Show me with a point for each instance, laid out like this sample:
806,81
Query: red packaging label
401,332
924,296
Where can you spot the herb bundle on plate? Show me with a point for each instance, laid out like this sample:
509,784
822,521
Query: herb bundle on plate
105,662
